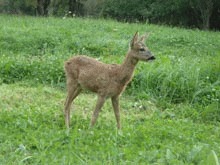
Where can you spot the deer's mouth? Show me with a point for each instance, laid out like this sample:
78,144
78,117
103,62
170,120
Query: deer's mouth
151,58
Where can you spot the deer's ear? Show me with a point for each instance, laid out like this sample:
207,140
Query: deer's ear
134,39
144,37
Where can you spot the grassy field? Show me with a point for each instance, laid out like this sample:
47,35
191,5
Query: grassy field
170,111
32,132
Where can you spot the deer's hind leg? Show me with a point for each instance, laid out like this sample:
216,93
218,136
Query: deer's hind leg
73,90
115,104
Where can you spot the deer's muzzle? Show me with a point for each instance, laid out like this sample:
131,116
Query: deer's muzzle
151,58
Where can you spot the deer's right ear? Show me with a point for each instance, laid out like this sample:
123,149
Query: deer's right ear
144,37
134,39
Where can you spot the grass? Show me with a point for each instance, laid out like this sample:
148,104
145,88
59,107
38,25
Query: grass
170,111
32,131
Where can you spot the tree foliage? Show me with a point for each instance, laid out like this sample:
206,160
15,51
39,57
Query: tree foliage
203,14
189,13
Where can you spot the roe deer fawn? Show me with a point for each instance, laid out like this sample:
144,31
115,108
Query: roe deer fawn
107,80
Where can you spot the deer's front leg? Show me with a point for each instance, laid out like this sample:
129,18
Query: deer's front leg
115,104
99,104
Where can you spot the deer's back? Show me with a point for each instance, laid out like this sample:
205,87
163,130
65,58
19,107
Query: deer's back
85,63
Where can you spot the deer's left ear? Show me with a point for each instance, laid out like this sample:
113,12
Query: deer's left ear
144,37
134,39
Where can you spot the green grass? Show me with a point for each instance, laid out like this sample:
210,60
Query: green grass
33,131
170,111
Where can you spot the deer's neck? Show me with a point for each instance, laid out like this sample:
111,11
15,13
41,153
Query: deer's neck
129,62
127,68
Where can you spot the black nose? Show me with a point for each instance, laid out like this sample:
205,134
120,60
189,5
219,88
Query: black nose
152,58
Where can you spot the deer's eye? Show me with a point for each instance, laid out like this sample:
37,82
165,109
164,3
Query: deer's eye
142,49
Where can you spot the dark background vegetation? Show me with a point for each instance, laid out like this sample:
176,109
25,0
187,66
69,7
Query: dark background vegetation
202,14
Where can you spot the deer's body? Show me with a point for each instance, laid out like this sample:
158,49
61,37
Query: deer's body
107,80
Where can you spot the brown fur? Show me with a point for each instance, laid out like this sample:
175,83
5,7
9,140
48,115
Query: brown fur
107,80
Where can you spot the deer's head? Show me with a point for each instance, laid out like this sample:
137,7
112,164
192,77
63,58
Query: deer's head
139,49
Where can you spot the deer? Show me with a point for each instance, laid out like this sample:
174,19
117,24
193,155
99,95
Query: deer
106,80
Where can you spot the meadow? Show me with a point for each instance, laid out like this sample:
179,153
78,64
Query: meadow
170,111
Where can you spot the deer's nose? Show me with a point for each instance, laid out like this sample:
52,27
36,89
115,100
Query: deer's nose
152,58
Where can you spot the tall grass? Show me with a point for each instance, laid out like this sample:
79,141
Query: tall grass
176,80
